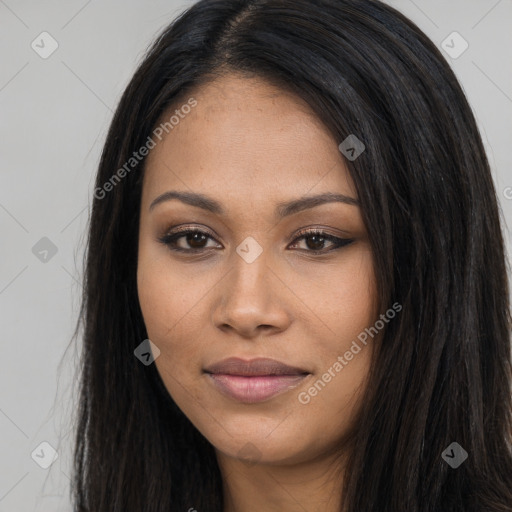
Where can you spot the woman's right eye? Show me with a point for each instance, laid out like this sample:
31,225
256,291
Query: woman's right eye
194,238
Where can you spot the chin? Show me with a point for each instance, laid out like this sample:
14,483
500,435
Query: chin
260,449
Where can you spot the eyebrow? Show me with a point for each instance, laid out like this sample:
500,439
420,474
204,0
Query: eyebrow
283,209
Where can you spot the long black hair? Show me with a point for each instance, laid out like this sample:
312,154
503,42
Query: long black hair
442,372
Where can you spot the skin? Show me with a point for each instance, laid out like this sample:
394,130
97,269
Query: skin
249,146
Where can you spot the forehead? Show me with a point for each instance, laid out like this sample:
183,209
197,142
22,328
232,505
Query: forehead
246,138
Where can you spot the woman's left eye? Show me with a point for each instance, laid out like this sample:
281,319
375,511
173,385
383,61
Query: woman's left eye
318,238
196,238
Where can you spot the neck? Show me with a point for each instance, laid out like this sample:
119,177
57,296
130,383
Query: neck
276,487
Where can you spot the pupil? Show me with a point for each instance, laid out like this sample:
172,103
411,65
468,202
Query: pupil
192,239
319,242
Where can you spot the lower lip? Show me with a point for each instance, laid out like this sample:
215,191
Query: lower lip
254,389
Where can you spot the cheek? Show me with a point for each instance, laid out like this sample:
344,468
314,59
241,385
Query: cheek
348,311
170,307
357,300
171,315
346,303
158,304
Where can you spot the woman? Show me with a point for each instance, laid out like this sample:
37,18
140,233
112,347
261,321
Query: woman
296,294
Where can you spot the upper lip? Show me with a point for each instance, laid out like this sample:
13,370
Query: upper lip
253,367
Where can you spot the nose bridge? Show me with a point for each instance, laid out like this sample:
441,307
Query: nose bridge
248,295
251,296
250,267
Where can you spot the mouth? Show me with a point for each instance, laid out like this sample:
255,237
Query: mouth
254,381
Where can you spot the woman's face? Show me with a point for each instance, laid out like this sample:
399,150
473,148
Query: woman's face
250,285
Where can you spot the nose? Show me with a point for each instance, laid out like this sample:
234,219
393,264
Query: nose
252,298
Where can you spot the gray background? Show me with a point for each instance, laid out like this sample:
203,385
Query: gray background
54,116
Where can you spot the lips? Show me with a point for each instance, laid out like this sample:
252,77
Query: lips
253,381
254,367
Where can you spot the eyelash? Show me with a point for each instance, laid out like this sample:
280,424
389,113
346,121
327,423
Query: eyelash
170,240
